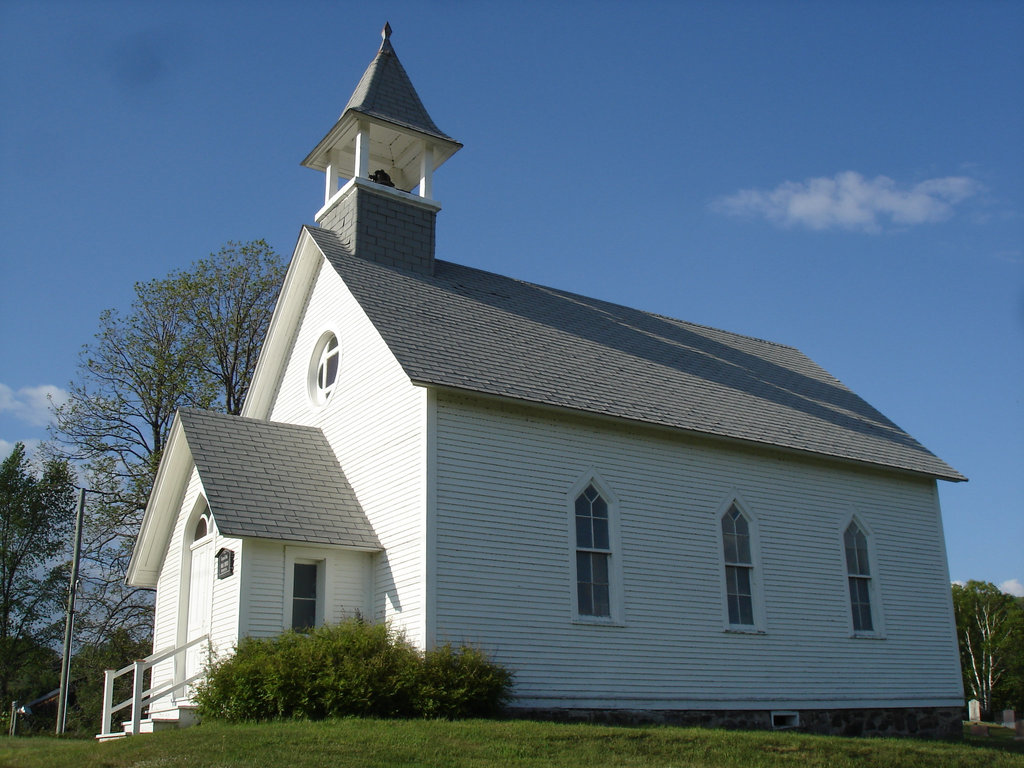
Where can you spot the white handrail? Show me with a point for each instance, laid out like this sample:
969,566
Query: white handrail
141,698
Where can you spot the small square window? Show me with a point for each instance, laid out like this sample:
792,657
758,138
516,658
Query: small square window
304,595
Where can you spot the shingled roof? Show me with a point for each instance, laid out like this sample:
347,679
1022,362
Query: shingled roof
385,91
276,481
466,329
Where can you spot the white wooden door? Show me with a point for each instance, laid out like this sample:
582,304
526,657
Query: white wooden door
200,597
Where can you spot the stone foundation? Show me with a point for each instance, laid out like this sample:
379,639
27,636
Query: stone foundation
917,722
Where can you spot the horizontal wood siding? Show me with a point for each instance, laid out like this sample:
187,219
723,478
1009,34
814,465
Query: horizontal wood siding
225,614
264,588
375,423
349,574
504,582
347,578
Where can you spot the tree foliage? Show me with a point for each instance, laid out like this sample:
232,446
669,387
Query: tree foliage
191,339
36,513
990,630
229,299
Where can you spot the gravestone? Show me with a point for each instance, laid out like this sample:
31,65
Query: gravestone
1009,718
977,729
974,710
1020,731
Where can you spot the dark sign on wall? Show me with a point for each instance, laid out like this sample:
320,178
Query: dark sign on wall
225,563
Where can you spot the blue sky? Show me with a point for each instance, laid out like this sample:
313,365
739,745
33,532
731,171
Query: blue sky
846,178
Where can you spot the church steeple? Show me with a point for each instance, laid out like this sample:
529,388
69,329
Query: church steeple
384,127
387,146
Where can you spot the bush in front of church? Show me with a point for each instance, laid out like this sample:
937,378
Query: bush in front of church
350,669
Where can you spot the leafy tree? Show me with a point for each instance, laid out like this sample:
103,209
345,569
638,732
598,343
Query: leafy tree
36,514
190,339
1011,694
990,629
230,298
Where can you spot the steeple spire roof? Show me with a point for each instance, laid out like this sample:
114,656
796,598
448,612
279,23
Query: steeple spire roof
384,127
385,92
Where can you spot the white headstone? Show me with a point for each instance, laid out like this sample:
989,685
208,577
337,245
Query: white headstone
974,710
1009,718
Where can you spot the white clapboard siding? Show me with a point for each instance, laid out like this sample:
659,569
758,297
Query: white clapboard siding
503,552
263,592
224,619
167,621
375,422
267,606
350,577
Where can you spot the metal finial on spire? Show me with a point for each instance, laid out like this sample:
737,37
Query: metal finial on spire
386,32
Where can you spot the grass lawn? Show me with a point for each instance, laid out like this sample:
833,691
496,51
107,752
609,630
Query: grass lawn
484,744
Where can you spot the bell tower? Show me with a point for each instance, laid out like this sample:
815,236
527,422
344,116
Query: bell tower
385,147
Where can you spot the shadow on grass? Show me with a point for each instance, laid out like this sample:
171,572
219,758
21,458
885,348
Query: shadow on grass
999,739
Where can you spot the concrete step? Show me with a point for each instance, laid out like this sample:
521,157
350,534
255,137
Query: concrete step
110,736
183,717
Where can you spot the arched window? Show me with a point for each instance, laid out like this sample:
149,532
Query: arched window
323,368
202,525
593,552
739,567
858,570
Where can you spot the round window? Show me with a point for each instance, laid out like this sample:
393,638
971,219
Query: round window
323,368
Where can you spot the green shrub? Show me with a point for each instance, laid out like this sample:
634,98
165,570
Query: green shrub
461,682
350,669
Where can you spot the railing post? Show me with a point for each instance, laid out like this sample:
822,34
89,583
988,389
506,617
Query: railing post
137,687
108,701
179,670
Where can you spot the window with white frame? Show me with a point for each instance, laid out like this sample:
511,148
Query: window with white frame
739,567
323,368
593,554
306,588
858,570
304,595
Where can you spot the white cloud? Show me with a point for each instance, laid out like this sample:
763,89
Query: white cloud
1013,587
849,201
31,404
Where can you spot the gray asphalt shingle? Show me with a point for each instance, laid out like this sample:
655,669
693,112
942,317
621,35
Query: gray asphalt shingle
385,91
274,481
464,328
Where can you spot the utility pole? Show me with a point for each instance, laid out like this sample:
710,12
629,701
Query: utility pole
65,664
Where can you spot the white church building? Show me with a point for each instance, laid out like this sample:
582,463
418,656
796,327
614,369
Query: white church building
640,517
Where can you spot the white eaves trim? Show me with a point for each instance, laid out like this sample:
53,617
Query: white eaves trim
162,510
298,282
